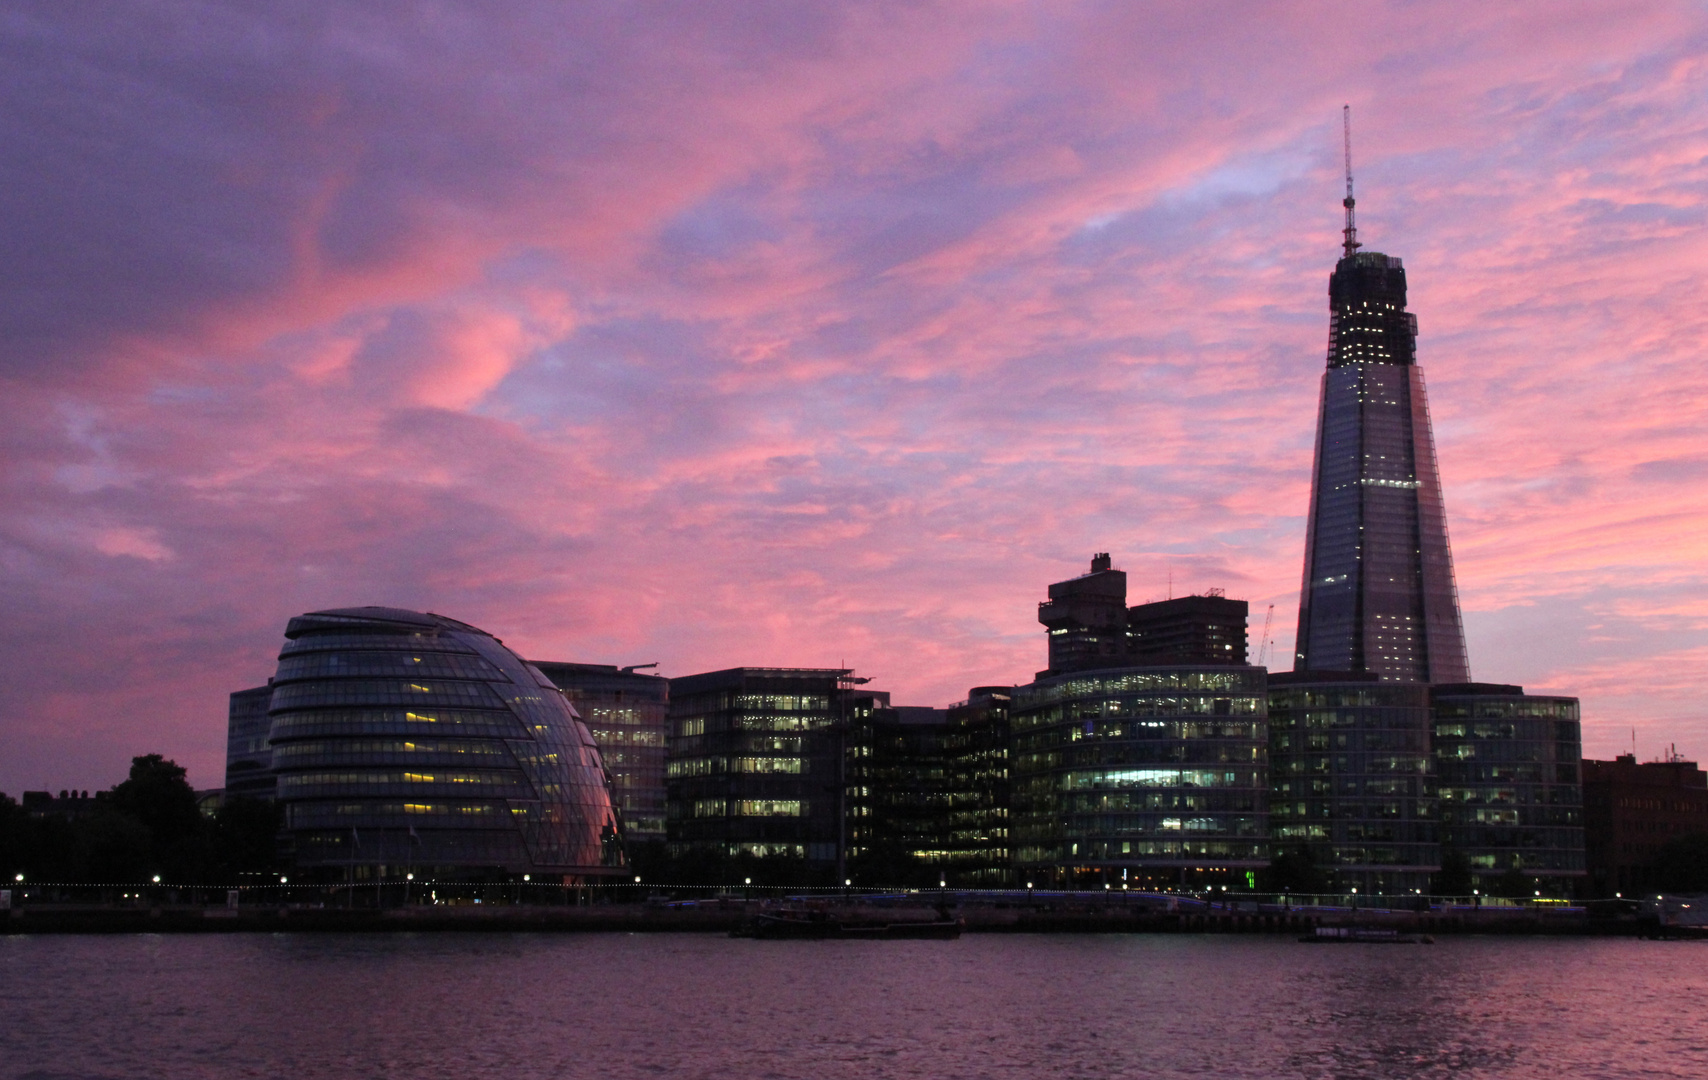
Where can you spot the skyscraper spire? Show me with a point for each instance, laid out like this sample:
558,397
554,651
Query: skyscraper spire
1350,233
1378,594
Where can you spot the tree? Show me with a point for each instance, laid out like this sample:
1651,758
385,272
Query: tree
159,798
1681,865
1513,883
246,836
1455,877
1293,870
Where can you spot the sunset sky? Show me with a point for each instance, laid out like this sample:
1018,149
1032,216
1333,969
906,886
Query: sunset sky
815,334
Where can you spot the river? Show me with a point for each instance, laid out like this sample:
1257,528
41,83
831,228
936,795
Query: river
615,1007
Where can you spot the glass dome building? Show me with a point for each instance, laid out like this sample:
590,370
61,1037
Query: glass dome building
410,742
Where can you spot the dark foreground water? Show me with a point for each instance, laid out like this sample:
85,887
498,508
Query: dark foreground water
619,1007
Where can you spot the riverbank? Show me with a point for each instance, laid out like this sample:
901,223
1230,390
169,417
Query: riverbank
724,915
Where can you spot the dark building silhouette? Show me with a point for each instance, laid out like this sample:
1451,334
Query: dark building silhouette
68,806
1208,629
1507,767
1086,618
977,751
1350,779
248,758
409,742
1378,592
928,791
900,791
755,763
1630,812
1091,627
626,712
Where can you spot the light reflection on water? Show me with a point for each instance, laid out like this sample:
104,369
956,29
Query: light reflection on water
618,1007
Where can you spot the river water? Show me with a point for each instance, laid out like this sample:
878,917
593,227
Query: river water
616,1007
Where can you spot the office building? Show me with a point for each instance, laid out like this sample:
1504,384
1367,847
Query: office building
1378,592
756,764
1207,629
627,713
248,758
899,793
1508,768
1350,779
1631,811
927,791
1091,627
1141,777
1086,618
976,747
412,743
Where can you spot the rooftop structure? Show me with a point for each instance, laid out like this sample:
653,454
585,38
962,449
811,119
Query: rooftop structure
1091,627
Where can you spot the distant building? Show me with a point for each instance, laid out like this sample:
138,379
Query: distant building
1208,629
1508,768
1350,779
627,713
900,791
1630,811
248,757
976,749
1091,627
1141,776
1086,618
68,806
927,791
755,763
407,742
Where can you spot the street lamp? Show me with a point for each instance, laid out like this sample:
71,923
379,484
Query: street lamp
20,877
157,879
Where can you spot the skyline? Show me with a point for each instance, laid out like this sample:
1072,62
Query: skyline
821,337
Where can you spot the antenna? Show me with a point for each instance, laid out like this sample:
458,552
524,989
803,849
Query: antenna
1350,243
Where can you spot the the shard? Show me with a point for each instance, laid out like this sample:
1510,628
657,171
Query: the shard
1378,593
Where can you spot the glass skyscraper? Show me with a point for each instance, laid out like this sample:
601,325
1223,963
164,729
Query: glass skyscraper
1378,593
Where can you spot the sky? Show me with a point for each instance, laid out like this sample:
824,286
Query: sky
820,334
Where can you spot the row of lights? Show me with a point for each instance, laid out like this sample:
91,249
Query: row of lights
941,884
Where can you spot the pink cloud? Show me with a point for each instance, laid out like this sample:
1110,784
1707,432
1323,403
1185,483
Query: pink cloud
721,334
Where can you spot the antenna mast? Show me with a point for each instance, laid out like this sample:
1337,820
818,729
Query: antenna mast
1350,243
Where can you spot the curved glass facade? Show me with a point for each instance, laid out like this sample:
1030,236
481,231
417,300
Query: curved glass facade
402,740
1141,775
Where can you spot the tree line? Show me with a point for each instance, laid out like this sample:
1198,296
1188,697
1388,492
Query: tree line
148,825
